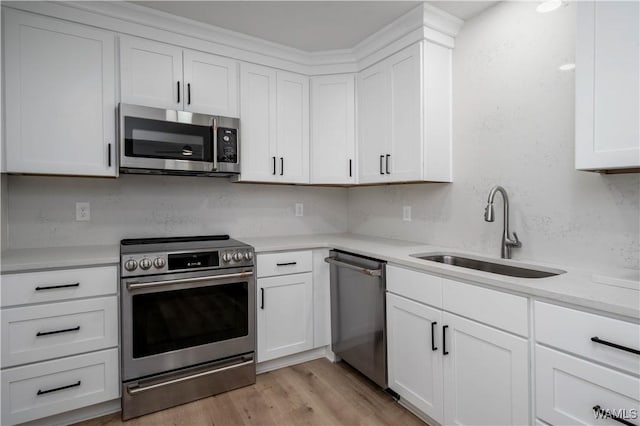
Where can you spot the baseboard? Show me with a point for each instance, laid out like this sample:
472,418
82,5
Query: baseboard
79,415
299,358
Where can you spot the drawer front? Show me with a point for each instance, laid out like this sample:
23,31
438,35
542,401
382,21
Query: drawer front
502,310
47,388
36,333
421,287
568,389
60,285
284,263
572,330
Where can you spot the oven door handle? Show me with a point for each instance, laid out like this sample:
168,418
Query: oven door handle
133,391
139,285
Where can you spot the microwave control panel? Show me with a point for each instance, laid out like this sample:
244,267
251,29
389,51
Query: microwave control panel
227,145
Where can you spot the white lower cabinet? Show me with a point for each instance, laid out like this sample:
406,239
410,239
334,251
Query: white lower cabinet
414,356
569,390
486,374
454,369
285,315
39,390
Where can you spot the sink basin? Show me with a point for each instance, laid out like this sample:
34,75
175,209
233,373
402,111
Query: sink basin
488,265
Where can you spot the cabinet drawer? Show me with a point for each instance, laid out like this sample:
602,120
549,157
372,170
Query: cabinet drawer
52,286
36,333
568,389
53,387
284,263
572,330
502,310
421,287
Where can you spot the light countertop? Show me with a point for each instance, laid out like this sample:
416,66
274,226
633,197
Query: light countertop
616,293
22,260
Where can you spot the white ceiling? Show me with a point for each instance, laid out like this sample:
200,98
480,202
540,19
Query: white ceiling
307,25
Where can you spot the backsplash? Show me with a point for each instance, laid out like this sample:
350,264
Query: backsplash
41,210
514,126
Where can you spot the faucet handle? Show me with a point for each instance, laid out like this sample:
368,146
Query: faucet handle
515,242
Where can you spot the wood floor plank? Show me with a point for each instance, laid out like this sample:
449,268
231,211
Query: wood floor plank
315,393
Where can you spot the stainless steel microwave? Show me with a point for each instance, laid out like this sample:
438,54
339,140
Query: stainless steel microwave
159,141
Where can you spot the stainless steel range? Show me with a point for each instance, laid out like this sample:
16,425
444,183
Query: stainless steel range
188,320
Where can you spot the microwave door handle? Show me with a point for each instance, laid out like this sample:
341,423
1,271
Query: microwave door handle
215,143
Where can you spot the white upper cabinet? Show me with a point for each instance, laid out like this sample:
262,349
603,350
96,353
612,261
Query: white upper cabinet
164,76
60,96
404,117
333,129
211,84
374,130
608,85
274,123
150,73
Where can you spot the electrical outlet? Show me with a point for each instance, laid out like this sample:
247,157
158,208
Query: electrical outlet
406,213
83,211
299,209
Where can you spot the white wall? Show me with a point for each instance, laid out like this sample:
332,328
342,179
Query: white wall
41,210
514,126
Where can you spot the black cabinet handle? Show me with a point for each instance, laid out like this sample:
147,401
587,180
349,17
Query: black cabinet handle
350,169
607,414
261,298
381,159
109,155
615,345
66,330
386,166
281,166
286,264
42,392
188,93
433,336
444,340
274,165
54,287
178,92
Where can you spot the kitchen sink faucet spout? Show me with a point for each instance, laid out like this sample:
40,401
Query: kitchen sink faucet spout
489,216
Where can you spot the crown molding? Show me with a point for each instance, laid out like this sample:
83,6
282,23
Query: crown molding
424,22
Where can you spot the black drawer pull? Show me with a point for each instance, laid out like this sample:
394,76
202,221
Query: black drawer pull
281,166
350,168
286,264
381,159
261,298
54,287
274,165
188,93
433,336
42,392
386,165
615,345
178,92
108,155
607,414
444,340
66,330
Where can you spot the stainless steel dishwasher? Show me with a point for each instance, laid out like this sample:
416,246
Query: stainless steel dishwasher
358,332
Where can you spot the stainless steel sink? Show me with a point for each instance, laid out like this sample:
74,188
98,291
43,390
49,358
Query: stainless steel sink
488,265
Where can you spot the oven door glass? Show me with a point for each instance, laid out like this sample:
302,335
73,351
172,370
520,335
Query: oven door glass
172,320
167,140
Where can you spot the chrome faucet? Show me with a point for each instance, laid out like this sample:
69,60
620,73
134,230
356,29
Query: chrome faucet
489,216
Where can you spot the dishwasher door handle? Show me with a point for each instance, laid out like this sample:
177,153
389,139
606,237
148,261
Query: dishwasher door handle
370,272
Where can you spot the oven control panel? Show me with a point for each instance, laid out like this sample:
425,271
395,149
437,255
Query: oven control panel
162,263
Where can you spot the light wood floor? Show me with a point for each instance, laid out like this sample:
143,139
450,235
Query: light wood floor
314,393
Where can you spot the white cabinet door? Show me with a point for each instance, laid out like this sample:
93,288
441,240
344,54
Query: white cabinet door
285,315
60,92
258,123
151,73
333,129
486,374
569,388
608,85
414,354
293,127
212,84
406,114
374,123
